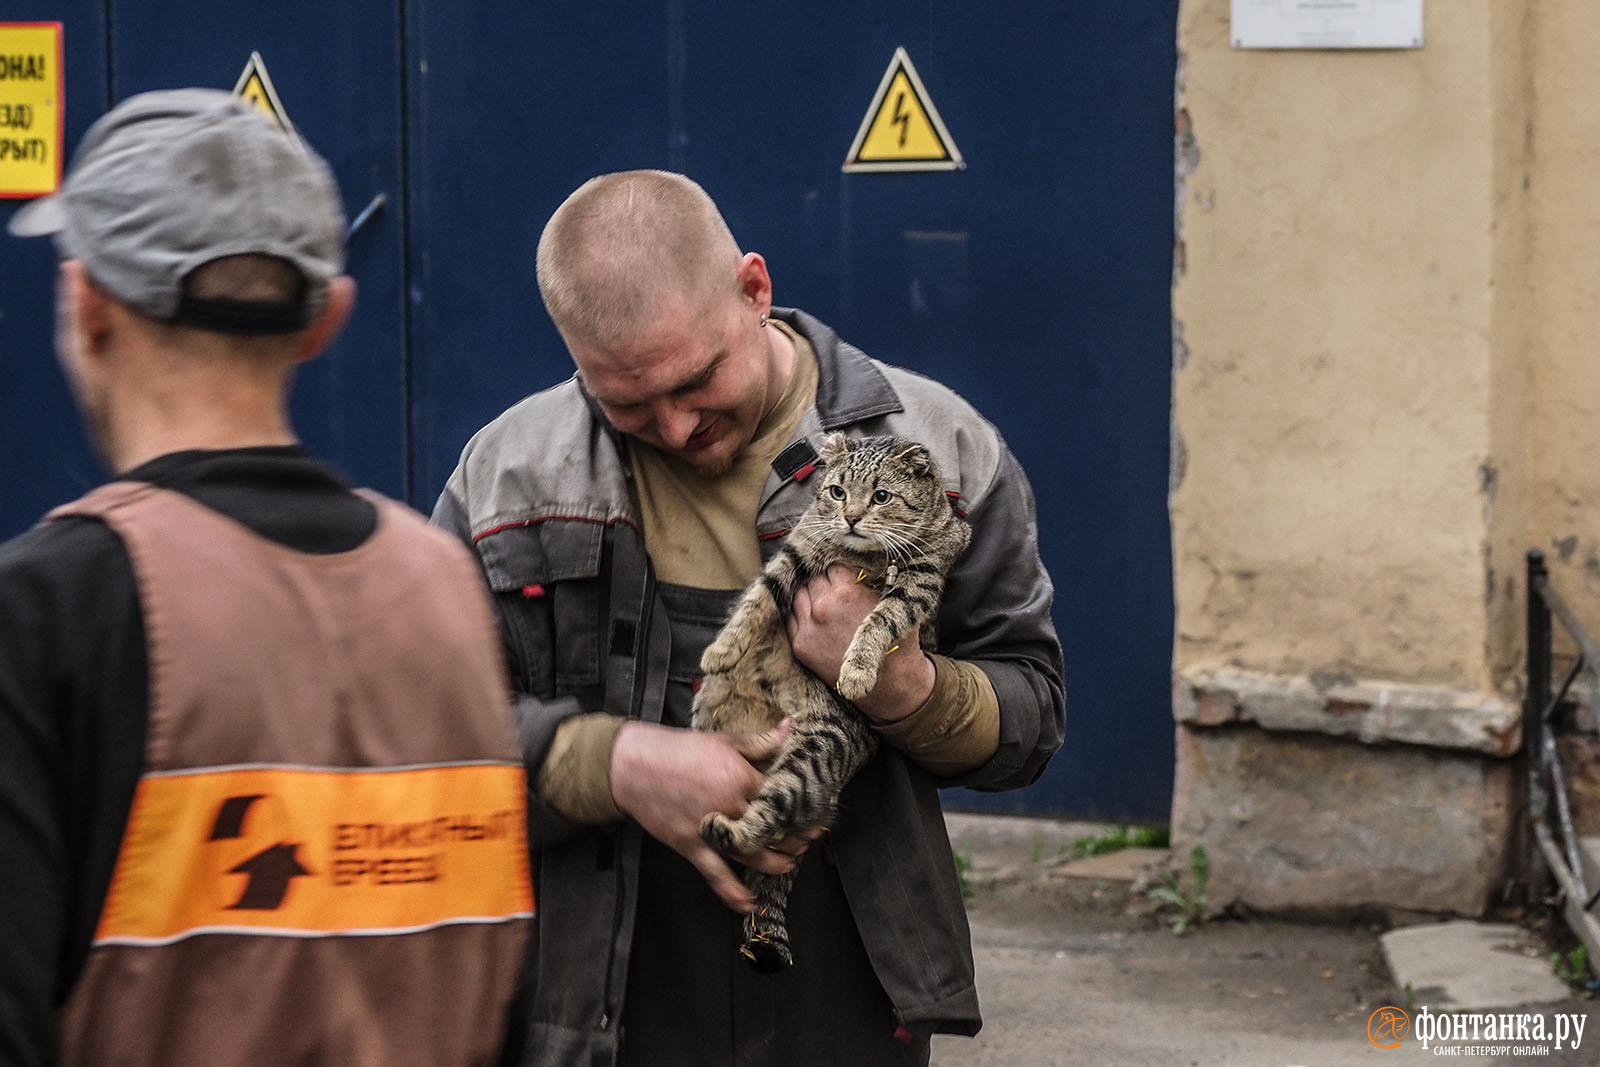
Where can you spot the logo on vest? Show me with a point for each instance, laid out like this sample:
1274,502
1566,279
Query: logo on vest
252,856
302,852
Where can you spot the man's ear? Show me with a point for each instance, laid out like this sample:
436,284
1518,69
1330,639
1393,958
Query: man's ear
81,309
335,313
755,284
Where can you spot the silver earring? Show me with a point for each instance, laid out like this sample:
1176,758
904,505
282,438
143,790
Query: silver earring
763,319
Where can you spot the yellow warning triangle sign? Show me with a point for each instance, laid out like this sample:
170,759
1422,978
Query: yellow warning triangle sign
902,129
255,86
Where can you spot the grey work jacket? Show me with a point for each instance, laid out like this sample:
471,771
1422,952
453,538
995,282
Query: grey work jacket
542,495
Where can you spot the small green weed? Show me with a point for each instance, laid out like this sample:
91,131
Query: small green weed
1187,901
1118,838
1150,837
1572,967
964,872
1112,840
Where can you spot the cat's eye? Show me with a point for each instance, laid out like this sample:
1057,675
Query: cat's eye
836,491
881,497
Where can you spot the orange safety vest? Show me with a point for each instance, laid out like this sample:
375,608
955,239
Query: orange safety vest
325,860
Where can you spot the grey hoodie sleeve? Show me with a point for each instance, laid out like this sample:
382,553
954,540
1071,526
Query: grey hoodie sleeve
996,614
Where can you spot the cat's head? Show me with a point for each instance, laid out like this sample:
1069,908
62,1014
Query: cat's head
879,492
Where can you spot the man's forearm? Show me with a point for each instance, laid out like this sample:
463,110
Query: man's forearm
957,728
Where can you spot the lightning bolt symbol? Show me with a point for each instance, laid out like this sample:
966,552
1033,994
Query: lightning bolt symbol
900,117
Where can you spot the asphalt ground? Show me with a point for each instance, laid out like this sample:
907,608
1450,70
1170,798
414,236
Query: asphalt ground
1075,970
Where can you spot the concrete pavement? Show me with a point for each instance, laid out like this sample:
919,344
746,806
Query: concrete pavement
1075,966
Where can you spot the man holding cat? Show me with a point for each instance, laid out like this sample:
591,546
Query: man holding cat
617,517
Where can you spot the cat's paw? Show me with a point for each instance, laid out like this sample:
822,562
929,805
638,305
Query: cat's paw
731,838
710,702
720,655
703,718
765,954
856,679
719,831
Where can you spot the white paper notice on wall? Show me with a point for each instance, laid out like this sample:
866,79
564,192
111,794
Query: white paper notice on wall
1327,23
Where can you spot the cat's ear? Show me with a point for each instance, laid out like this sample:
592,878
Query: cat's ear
915,456
834,447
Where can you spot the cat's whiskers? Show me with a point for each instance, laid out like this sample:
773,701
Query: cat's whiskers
901,546
812,523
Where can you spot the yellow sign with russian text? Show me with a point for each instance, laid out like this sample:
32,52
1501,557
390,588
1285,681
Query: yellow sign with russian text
31,87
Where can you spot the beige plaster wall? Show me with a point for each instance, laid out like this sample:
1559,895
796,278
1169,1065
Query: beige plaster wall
1351,327
1506,489
1565,333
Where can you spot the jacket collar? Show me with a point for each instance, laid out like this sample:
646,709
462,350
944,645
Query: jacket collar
850,387
618,439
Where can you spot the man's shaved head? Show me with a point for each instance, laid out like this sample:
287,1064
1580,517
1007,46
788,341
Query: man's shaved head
626,246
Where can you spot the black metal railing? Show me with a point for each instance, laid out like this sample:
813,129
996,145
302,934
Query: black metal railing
1556,844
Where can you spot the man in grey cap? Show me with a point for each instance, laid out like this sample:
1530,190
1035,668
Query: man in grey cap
260,800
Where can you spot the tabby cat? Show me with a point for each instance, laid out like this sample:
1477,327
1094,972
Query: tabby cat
881,509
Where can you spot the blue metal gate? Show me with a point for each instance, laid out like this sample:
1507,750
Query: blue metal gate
43,458
337,72
1035,281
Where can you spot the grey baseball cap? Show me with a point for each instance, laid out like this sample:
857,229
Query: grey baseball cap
168,181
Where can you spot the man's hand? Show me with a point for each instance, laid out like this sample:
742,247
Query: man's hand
827,610
668,779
